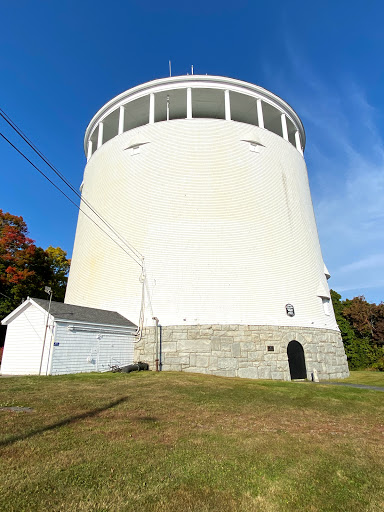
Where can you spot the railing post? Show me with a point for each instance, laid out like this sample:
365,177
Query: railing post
298,142
100,135
189,103
151,108
260,117
284,127
227,104
89,153
121,120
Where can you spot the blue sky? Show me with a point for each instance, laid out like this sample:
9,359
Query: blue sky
61,61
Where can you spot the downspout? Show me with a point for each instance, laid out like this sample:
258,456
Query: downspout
160,349
50,353
156,339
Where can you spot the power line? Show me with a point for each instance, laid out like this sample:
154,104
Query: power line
69,199
14,126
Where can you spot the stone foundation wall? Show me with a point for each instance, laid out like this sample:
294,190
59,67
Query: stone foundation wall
242,350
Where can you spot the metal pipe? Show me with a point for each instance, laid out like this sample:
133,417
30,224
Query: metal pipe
156,342
160,347
47,290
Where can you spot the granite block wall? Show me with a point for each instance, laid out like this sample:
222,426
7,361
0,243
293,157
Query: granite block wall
243,350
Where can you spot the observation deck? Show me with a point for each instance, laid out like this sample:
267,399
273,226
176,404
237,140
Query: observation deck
194,97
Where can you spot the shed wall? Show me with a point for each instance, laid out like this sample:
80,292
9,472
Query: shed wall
24,343
90,350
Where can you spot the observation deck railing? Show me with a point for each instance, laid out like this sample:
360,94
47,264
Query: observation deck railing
193,103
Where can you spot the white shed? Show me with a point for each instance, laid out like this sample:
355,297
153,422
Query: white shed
68,339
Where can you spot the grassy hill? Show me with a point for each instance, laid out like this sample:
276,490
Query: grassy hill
185,442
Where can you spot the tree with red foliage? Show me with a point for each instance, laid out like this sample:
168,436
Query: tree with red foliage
16,250
25,269
366,319
362,329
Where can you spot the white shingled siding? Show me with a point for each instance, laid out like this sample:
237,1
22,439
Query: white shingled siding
73,348
24,343
228,234
90,348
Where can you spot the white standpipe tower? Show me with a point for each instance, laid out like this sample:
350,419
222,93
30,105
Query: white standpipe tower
205,177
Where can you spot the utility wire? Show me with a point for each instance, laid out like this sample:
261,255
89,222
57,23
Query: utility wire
69,199
14,126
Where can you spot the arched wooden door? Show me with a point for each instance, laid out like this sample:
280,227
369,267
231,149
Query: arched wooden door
296,360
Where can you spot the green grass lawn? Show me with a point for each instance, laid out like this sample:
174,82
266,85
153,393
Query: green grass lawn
184,442
365,377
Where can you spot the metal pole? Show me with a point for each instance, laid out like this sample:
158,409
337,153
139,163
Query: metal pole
48,290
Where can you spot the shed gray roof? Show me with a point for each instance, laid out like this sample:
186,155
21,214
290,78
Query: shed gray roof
61,311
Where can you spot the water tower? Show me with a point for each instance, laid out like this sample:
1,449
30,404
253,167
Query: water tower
204,176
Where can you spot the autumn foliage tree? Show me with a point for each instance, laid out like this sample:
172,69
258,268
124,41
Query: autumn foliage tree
366,319
26,269
362,329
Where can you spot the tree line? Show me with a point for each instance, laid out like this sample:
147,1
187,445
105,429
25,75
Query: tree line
25,270
362,328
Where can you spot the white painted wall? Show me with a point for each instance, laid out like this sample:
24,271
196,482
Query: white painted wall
73,347
85,348
24,343
228,234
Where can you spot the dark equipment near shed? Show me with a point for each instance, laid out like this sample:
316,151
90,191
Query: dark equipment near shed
135,367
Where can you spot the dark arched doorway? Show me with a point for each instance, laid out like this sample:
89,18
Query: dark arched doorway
296,360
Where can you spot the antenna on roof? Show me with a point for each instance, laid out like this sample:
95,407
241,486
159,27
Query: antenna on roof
170,68
192,69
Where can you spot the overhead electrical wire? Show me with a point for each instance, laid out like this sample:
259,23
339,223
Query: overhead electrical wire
14,126
135,256
69,199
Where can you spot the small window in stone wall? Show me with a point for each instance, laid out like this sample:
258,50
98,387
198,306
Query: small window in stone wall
135,150
326,305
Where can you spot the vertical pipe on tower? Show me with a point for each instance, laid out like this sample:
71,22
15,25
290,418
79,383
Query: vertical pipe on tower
100,135
121,120
189,103
260,117
227,103
284,126
151,108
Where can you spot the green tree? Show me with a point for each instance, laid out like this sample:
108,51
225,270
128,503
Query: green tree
360,325
59,264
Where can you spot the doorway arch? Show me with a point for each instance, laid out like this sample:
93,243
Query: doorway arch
296,360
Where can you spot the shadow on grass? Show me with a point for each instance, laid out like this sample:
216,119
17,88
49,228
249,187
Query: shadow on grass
62,423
